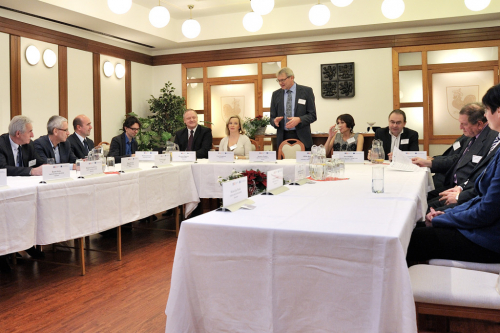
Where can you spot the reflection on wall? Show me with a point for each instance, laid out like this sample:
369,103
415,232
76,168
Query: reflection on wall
451,91
415,120
4,83
462,55
232,70
410,87
228,100
195,96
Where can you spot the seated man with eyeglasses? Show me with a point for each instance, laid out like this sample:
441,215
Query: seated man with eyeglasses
54,144
125,145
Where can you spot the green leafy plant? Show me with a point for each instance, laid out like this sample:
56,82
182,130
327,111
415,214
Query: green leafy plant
167,118
251,125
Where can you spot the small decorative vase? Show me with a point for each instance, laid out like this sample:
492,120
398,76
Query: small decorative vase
261,131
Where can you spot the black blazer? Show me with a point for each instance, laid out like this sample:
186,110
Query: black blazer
306,112
202,141
7,160
439,177
77,146
117,148
384,135
44,149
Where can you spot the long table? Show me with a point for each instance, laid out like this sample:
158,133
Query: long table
328,257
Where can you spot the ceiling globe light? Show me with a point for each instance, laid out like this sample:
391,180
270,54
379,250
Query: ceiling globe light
119,70
319,14
262,7
159,16
477,5
119,6
252,22
392,9
108,68
341,3
191,28
49,58
32,55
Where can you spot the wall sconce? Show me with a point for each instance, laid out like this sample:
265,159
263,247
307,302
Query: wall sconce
119,70
49,58
32,55
108,68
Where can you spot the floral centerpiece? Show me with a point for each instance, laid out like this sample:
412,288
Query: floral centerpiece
255,126
256,180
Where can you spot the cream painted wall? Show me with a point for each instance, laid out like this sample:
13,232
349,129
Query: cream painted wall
4,83
163,74
39,87
112,101
80,86
142,88
373,94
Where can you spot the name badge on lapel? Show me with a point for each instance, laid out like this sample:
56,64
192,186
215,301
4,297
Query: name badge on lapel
476,158
32,163
405,141
302,101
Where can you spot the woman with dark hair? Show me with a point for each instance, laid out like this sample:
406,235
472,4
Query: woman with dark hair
125,145
470,231
341,136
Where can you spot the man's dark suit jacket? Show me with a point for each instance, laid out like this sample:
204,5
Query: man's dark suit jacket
306,113
44,149
463,165
117,148
7,160
384,135
77,146
439,177
202,141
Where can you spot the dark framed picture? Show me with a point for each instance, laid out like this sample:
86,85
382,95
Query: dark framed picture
337,80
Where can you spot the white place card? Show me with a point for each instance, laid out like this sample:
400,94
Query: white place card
262,156
130,163
274,179
234,191
411,154
55,172
88,168
221,156
350,156
162,160
3,177
302,156
300,174
146,155
183,156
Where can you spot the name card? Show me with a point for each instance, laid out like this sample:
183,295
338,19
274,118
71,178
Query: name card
300,172
162,160
234,191
88,168
130,163
262,156
350,156
183,156
411,154
221,156
146,155
3,177
55,171
274,179
302,156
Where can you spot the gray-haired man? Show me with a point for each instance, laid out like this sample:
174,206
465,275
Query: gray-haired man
54,145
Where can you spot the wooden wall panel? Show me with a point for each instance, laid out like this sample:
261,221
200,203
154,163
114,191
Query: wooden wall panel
62,63
15,76
97,97
128,86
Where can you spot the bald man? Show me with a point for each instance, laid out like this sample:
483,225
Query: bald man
80,143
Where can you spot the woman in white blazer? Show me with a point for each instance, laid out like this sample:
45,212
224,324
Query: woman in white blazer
236,140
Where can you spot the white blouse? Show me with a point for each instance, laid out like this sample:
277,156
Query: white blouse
243,146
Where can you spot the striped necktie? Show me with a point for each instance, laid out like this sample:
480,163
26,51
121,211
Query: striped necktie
495,143
19,156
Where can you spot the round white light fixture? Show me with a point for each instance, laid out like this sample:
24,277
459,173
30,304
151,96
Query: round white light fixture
108,68
262,7
252,22
341,3
191,28
319,15
392,9
119,70
49,58
159,16
32,55
477,5
119,6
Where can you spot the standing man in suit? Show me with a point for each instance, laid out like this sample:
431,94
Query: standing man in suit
54,144
125,144
194,137
296,102
80,143
397,135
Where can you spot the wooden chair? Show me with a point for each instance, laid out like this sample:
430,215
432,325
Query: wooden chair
455,292
255,145
288,148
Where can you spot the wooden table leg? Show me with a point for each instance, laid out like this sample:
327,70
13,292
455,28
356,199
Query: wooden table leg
14,258
119,242
82,255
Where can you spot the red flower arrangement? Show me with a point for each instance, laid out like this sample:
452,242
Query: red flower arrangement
256,180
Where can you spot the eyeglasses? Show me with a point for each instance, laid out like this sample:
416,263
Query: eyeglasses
135,129
65,130
282,80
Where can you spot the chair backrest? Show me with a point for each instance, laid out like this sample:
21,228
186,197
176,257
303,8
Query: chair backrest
288,148
255,145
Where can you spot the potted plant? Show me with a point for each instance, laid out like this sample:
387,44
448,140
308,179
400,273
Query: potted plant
255,126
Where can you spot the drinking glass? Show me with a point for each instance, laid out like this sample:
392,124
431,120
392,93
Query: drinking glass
110,162
378,179
51,161
340,168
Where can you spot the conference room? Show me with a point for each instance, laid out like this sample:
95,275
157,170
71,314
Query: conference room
69,59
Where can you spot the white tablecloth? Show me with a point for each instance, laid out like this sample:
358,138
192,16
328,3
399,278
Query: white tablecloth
328,257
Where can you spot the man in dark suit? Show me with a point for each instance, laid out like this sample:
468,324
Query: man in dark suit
455,148
125,144
54,144
194,137
18,156
80,143
296,102
397,135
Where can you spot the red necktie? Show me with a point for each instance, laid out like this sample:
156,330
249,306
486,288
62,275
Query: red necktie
190,141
